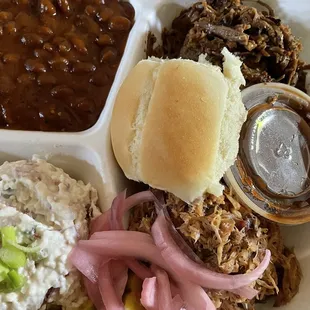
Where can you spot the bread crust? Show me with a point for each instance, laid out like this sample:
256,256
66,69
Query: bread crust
167,124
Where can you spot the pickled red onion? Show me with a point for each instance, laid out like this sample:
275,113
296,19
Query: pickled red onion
177,303
119,273
164,297
107,290
195,296
124,248
87,263
149,294
136,199
140,270
94,294
107,243
246,291
116,211
100,223
121,235
119,207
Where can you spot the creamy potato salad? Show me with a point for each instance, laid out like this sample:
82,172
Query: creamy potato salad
43,212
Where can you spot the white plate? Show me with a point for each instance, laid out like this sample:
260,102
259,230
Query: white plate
88,155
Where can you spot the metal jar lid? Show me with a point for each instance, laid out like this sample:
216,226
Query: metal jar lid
272,172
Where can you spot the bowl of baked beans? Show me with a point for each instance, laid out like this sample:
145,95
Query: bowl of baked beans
58,61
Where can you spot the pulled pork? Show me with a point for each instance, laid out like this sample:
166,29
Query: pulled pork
230,239
265,45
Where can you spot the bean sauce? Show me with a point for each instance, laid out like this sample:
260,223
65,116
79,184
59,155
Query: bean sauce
58,60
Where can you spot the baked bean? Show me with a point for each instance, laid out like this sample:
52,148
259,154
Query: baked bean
105,14
10,28
5,17
26,78
70,34
1,30
23,20
108,55
32,39
62,91
72,29
128,9
104,39
63,44
50,22
88,24
90,10
45,31
99,79
33,65
42,54
59,63
119,23
82,67
79,44
11,58
86,105
64,6
47,7
46,79
96,2
49,47
6,84
64,47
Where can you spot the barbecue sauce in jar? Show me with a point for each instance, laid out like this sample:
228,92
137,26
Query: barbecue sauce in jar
58,61
272,171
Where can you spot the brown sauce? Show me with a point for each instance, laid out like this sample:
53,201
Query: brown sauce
58,61
279,206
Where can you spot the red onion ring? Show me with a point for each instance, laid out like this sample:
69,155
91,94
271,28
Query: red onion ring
120,207
88,264
100,223
164,297
140,270
170,252
108,293
124,248
195,296
94,294
149,294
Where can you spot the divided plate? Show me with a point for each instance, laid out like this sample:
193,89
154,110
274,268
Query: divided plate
88,155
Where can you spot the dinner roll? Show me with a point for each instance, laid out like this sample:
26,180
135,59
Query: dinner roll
176,124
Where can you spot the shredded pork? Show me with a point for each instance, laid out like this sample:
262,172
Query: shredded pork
230,239
268,49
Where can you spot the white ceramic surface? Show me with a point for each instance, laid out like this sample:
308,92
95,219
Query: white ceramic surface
88,155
